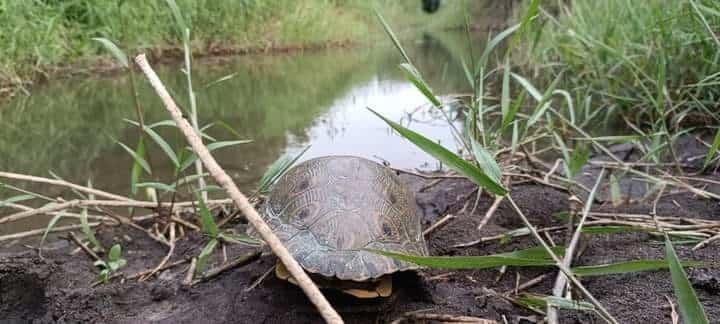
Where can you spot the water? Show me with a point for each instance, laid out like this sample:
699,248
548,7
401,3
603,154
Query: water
283,103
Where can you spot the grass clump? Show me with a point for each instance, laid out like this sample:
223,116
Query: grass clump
647,59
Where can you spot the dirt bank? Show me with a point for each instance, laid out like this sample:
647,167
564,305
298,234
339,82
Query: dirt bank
56,286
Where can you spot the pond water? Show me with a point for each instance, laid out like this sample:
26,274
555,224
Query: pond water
282,103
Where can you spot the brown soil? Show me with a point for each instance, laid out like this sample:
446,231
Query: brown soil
56,286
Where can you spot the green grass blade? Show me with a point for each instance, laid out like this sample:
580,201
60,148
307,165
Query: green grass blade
450,159
570,304
532,257
413,75
119,55
392,36
204,255
578,158
493,43
277,169
177,14
713,149
169,152
89,233
690,308
211,147
50,225
510,117
625,267
206,219
139,159
486,161
505,92
136,171
16,199
157,185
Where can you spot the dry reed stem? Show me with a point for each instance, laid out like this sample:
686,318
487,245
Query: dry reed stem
561,280
40,231
601,309
63,183
440,223
84,247
241,201
167,256
240,261
490,212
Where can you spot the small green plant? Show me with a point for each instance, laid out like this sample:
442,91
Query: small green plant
113,263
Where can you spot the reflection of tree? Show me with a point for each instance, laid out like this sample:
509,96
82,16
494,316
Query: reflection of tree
70,126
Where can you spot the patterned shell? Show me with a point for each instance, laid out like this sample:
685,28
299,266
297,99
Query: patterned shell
328,210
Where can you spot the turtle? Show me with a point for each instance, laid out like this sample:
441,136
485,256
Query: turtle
332,211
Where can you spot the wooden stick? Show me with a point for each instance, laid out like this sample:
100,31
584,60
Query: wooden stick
84,247
224,180
438,224
241,260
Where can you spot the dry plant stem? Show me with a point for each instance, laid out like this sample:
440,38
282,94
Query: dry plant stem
526,285
190,272
259,279
84,247
224,180
561,281
167,257
40,231
601,309
63,183
240,261
440,223
142,273
446,318
706,242
490,212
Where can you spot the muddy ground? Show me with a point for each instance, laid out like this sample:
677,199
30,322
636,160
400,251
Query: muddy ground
56,286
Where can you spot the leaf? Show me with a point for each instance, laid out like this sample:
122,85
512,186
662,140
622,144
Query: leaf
448,158
611,229
206,219
615,192
532,257
177,14
204,254
713,149
277,169
690,308
169,152
510,118
414,76
50,225
565,303
136,171
625,267
394,39
505,91
139,159
222,79
114,253
490,46
157,185
119,55
211,147
578,158
89,234
16,199
486,161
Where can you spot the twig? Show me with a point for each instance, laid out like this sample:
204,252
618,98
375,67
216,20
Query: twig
561,280
63,183
40,231
167,257
190,273
224,180
705,242
259,279
490,212
526,285
440,223
84,247
242,260
503,235
601,309
445,318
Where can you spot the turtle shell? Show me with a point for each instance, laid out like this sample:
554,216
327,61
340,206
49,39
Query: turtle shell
329,211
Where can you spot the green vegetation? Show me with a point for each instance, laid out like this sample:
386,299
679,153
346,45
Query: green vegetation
650,60
39,36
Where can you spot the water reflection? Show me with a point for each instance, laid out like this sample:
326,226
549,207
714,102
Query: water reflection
282,103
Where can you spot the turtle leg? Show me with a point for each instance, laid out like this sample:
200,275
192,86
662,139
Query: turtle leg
383,288
283,273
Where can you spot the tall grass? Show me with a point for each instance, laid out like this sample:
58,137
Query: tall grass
40,35
649,59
